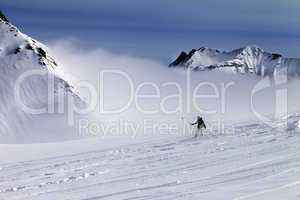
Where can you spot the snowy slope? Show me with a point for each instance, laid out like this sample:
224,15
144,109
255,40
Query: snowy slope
254,162
20,54
250,59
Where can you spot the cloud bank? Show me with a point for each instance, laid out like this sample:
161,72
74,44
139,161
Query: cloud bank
143,89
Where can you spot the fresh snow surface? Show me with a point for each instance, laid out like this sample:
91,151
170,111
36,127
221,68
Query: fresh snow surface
255,162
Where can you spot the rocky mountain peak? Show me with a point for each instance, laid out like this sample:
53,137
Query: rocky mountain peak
3,17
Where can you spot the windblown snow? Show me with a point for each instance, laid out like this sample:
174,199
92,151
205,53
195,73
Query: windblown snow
253,161
22,56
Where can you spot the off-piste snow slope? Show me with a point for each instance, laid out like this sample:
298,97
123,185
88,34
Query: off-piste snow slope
29,76
255,162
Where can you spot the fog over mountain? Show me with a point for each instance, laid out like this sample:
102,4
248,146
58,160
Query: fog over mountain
106,107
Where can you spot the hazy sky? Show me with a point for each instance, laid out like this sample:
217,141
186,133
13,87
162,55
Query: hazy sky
161,28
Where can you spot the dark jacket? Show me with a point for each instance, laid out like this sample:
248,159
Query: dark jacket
200,123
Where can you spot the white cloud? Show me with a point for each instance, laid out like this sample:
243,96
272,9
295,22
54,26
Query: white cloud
233,106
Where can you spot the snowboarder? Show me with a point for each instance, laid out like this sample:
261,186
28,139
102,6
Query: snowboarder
200,124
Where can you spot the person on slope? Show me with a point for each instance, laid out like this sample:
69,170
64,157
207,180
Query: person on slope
200,124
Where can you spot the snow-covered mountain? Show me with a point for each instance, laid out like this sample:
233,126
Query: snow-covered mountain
25,60
249,59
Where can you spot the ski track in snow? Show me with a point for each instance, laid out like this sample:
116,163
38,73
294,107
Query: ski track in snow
257,163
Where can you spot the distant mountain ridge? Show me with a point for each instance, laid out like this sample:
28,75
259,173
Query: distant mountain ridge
249,59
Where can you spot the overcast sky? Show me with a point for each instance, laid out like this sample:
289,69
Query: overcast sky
161,28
